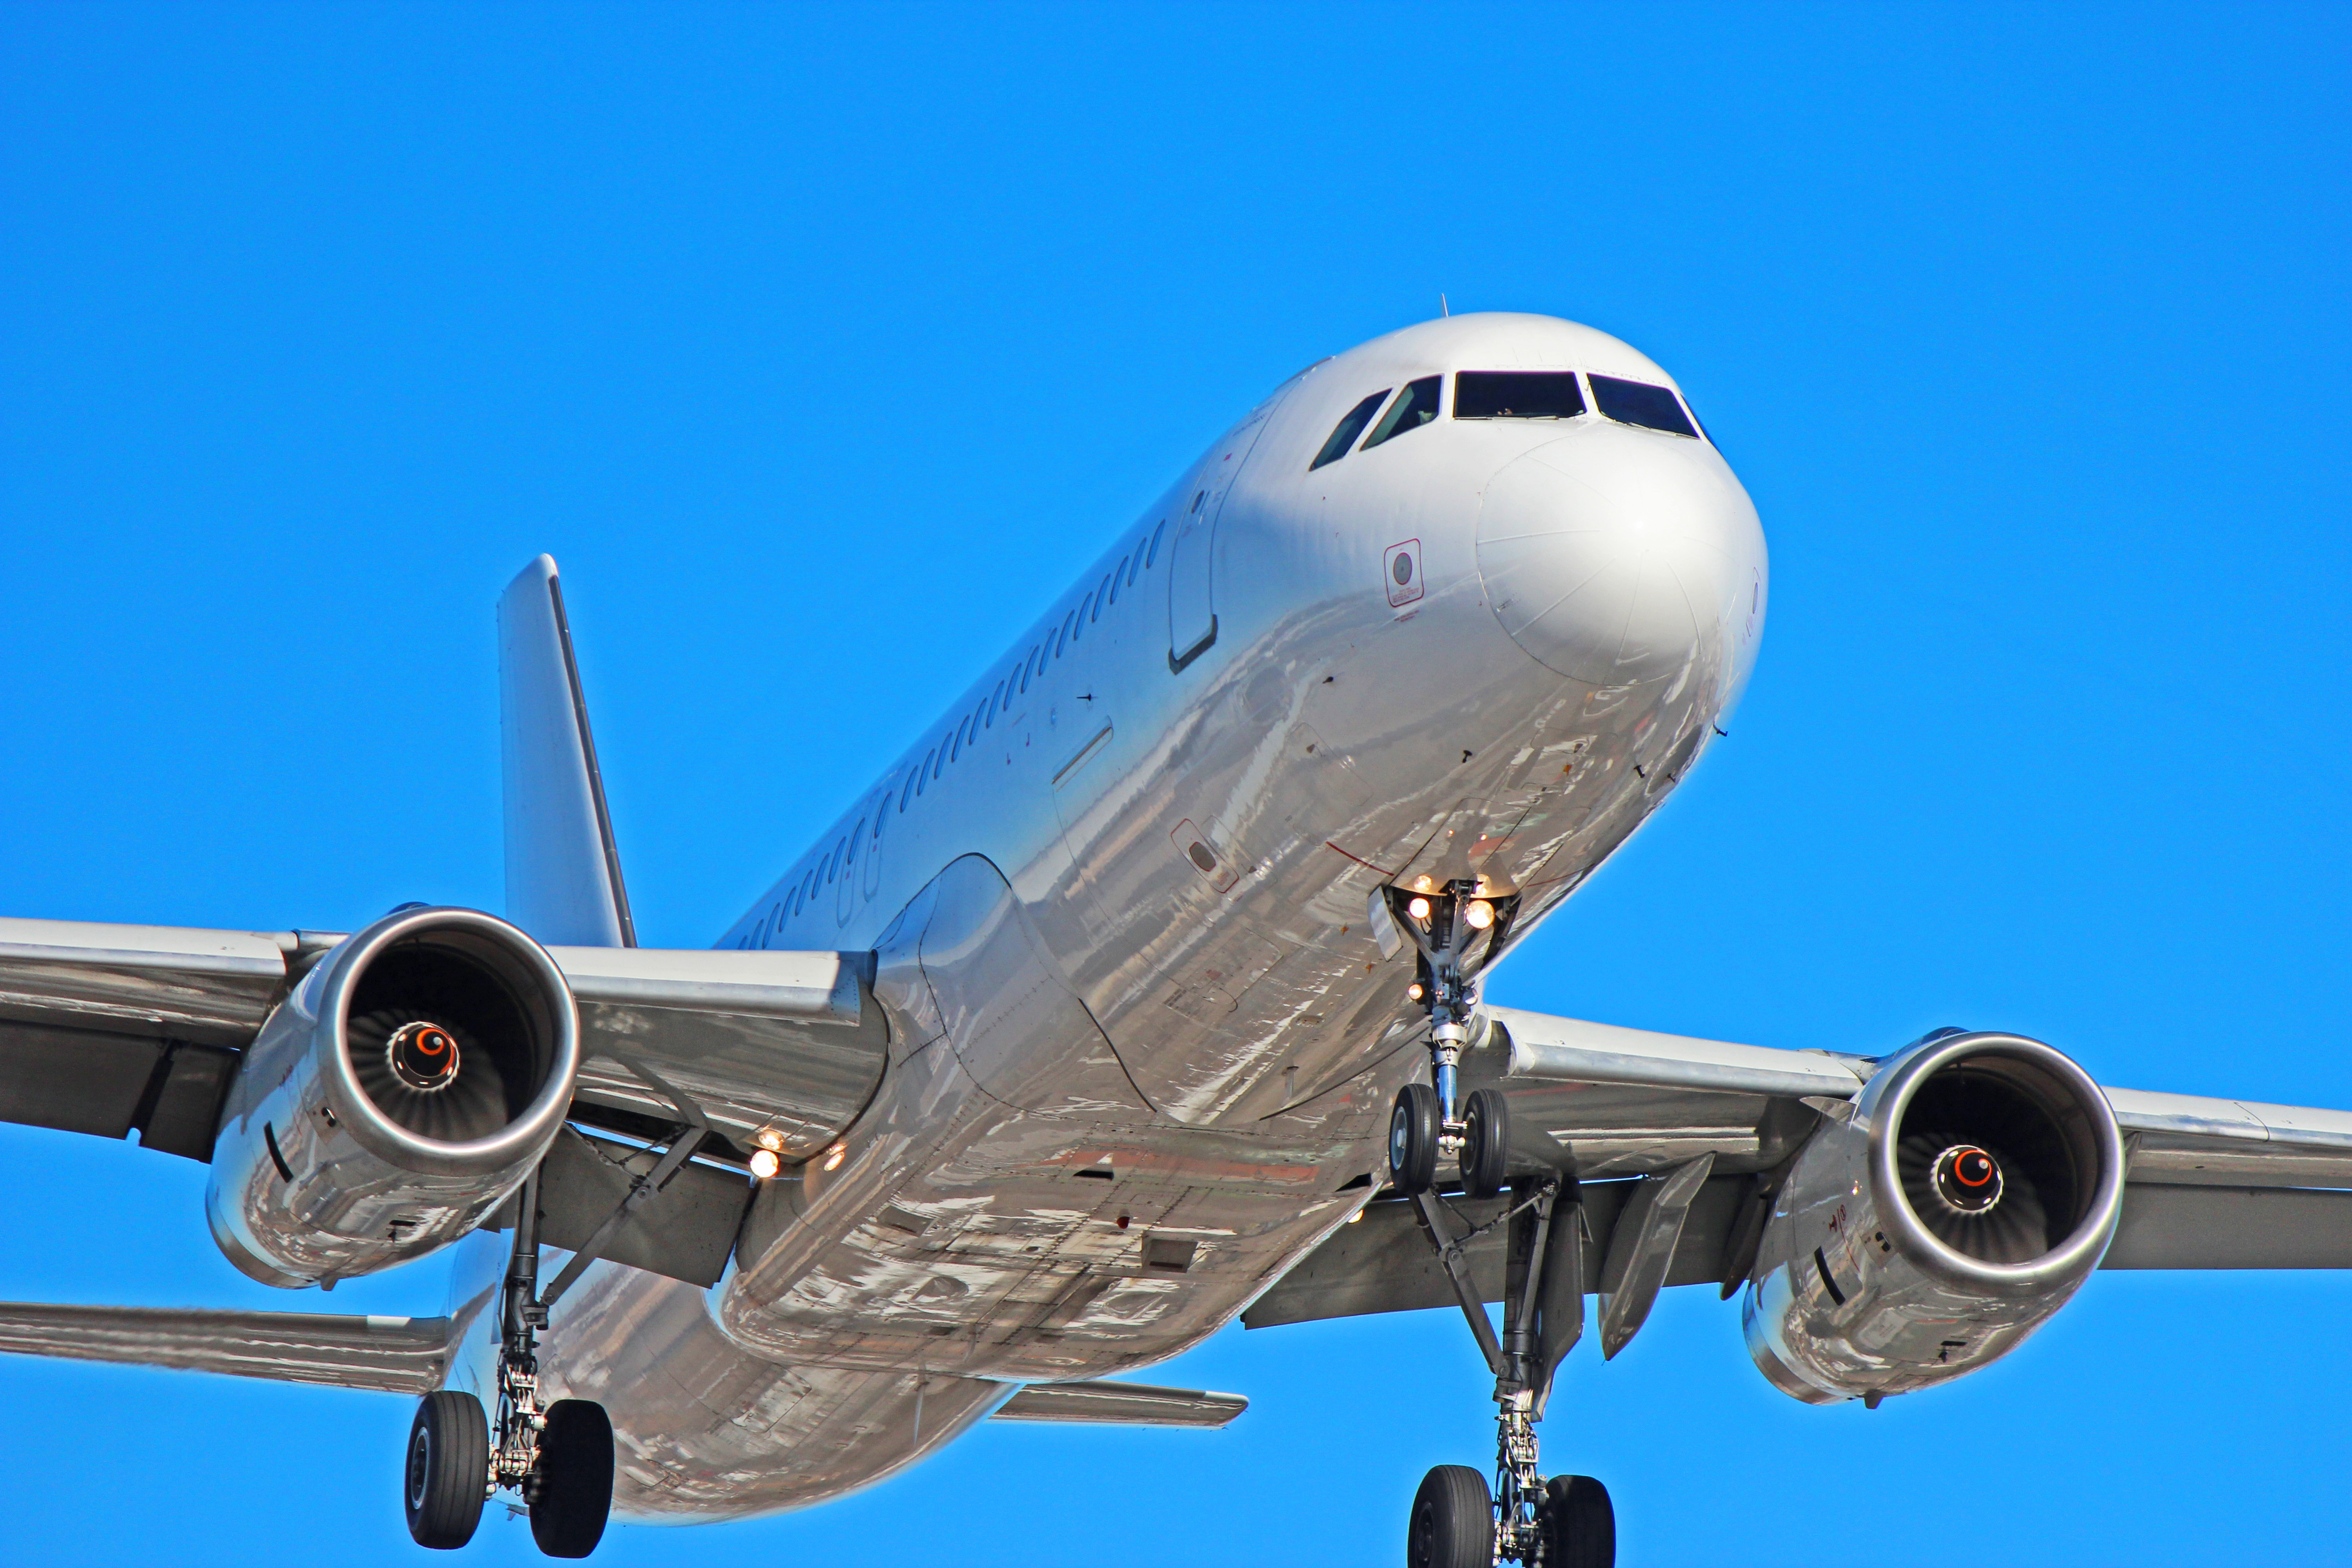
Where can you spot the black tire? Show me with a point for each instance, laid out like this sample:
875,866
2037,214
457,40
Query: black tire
1579,1525
1414,1124
1485,1143
448,1473
1453,1524
571,1491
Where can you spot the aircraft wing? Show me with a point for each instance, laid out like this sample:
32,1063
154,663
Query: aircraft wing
1632,1101
396,1355
2211,1182
112,1029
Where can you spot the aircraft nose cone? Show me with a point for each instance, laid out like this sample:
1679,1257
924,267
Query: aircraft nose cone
1615,555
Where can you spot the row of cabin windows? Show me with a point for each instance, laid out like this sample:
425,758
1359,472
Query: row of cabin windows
1120,578
1016,684
1510,394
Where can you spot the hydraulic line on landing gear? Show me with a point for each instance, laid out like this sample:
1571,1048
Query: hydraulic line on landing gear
514,1454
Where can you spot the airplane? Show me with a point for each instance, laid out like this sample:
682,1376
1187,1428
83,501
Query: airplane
1145,991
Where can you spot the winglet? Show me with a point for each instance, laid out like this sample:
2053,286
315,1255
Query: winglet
563,873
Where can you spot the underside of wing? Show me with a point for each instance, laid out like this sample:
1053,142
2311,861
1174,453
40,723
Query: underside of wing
2209,1183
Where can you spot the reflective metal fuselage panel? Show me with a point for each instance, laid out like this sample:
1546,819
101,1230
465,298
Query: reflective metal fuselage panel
1143,1042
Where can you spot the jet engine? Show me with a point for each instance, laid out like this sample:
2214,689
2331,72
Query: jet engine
1967,1196
412,1079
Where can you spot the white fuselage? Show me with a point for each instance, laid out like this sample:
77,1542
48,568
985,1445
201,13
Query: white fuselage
1142,1039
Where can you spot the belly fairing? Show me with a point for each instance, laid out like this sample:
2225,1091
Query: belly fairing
1009,1207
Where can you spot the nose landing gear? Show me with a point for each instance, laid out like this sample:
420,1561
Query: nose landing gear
1429,1121
1457,1522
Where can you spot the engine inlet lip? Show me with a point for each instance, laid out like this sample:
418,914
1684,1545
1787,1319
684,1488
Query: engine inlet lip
336,980
1881,1107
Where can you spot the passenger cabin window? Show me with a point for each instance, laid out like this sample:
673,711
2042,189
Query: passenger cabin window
1343,436
1638,403
1415,407
1517,395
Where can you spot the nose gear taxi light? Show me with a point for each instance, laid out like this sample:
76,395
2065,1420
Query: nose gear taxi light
764,1164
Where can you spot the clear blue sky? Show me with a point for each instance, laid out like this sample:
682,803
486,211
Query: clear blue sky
821,347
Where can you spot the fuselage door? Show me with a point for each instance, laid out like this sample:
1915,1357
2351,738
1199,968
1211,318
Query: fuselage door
1191,607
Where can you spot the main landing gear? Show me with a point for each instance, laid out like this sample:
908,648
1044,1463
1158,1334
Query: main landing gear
1457,1519
559,1456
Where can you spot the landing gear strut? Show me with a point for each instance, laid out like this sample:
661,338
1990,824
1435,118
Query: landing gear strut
559,1456
1457,1522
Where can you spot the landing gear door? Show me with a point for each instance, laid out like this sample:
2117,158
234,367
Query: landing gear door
1191,607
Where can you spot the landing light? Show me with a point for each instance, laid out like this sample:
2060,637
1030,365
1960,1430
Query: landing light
771,1140
1480,914
832,1161
1354,1217
764,1164
1418,908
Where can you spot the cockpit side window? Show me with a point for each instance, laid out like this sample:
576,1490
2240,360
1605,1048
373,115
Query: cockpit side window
1344,434
1415,407
1517,395
1638,403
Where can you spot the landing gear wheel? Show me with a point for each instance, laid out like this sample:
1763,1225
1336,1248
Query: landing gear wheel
1414,1124
1485,1143
1579,1526
572,1489
1453,1521
448,1469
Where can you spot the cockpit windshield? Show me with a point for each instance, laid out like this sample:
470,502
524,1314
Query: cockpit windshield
1517,395
1344,434
1638,403
1414,408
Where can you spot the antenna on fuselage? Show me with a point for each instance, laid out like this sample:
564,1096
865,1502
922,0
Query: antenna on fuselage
1442,309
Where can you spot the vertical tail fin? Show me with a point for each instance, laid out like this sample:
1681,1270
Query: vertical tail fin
563,873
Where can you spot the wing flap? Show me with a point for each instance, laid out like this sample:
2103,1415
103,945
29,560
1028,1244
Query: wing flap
395,1355
2169,1226
1121,1404
1382,1263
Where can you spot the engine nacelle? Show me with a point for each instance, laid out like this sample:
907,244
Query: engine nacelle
405,1087
1966,1198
